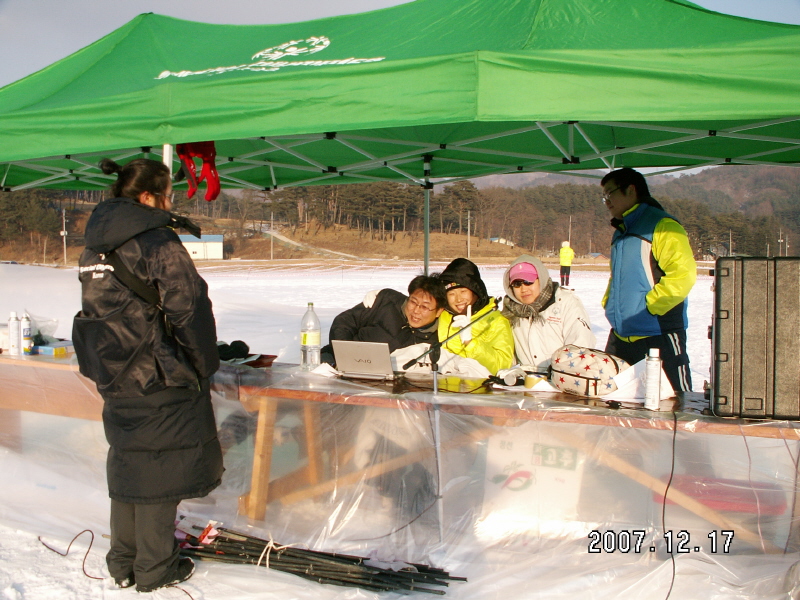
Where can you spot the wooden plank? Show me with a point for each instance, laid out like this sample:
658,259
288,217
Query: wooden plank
384,467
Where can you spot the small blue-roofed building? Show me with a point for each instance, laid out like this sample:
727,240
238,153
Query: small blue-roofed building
208,247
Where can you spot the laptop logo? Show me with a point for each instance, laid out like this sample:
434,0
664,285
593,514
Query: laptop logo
364,360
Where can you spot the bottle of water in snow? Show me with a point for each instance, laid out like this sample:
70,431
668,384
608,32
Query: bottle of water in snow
309,339
652,390
13,334
25,335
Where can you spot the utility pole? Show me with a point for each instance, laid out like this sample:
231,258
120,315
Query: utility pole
569,234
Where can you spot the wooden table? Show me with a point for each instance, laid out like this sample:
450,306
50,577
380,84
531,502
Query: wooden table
53,386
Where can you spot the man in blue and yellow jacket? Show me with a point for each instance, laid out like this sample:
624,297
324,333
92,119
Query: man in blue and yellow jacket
652,272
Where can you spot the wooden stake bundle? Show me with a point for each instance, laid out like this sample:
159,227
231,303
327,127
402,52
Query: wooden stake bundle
323,567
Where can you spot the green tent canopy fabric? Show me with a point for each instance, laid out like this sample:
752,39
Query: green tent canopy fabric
472,87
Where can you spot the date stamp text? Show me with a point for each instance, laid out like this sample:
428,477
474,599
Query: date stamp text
675,542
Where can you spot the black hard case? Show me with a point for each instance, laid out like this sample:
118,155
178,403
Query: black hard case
756,338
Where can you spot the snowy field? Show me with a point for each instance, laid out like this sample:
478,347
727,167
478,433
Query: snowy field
262,306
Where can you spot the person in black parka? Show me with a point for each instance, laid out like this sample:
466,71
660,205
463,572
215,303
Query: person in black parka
152,366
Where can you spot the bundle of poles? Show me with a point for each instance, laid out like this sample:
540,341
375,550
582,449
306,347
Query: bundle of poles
323,567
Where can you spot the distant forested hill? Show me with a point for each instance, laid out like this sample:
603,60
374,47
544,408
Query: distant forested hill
757,191
752,208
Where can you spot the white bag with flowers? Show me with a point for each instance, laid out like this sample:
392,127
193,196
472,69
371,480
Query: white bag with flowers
585,371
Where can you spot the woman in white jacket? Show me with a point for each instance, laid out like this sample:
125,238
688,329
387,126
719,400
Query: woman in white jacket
543,315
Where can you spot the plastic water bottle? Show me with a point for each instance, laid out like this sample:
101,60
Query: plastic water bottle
309,339
652,390
25,335
13,334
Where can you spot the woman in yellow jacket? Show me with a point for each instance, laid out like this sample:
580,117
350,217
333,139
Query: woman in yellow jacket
489,341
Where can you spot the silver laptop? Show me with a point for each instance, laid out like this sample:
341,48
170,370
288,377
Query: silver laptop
363,360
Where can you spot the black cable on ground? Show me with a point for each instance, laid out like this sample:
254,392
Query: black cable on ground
664,501
85,556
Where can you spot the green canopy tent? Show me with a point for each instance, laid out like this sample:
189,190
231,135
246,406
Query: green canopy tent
431,89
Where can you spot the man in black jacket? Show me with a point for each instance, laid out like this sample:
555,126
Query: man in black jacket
392,317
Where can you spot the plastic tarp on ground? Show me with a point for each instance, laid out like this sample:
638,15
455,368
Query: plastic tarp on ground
524,484
479,86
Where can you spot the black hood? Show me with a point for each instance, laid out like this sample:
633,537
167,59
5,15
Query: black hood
464,273
113,222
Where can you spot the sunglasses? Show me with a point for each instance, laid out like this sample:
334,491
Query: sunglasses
518,283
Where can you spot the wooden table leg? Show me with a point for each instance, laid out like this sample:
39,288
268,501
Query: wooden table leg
254,503
11,429
313,442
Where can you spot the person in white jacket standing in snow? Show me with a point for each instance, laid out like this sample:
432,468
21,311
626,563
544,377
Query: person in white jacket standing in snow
543,315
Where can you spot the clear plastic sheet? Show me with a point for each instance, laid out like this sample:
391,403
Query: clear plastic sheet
503,489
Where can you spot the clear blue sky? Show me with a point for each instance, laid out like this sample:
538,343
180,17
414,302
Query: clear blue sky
36,33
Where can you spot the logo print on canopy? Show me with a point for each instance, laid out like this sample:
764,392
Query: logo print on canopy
269,60
295,48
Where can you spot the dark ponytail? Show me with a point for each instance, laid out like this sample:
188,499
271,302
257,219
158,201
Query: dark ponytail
137,176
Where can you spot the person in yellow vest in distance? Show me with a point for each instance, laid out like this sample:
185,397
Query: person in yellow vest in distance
565,255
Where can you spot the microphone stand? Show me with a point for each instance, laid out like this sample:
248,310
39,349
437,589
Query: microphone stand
436,414
437,345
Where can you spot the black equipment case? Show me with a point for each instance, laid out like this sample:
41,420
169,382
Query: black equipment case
756,338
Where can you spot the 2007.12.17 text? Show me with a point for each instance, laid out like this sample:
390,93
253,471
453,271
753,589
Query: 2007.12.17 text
625,541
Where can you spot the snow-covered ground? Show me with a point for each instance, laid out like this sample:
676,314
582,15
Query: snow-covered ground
262,306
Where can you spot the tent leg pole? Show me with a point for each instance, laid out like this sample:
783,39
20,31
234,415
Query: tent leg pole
166,157
426,172
427,229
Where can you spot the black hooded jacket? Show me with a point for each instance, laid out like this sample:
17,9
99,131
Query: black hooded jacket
132,355
157,414
385,321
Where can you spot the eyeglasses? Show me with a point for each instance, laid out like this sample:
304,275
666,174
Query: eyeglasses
607,195
518,283
414,306
171,197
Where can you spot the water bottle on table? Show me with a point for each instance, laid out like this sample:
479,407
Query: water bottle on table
13,334
309,339
652,390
